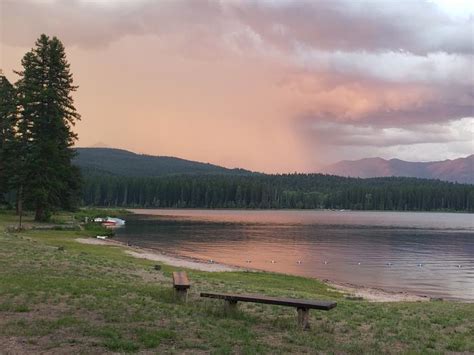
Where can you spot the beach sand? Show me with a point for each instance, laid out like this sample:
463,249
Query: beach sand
375,294
155,255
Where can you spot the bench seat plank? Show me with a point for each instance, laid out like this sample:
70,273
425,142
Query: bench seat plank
180,280
290,302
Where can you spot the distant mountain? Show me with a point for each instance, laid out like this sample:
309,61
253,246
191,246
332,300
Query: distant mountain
124,163
118,162
457,170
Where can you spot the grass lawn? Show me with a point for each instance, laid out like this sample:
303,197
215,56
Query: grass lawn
59,296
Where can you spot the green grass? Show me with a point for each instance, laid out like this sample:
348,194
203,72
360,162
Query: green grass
60,295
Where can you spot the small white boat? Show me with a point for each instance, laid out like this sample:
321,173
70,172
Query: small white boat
117,221
103,237
110,222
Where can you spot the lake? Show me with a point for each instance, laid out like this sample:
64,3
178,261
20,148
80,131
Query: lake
424,253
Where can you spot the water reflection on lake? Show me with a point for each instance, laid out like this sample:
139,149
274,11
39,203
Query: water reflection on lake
427,253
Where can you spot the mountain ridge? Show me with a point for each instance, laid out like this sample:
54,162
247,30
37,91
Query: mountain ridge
454,170
114,161
120,162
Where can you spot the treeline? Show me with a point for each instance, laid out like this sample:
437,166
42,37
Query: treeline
36,117
295,191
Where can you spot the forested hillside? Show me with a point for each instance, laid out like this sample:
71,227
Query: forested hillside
278,191
124,163
114,177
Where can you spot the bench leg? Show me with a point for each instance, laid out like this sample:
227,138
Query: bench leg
303,318
231,306
181,294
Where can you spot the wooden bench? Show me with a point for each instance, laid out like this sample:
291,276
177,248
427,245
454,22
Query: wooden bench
181,284
302,306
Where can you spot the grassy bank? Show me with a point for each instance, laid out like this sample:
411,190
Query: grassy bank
61,296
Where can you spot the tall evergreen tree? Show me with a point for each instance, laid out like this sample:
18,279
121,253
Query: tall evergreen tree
8,111
47,114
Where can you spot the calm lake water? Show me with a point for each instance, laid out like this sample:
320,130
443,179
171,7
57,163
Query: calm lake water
426,253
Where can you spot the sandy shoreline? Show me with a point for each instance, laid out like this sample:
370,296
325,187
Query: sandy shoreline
351,291
156,255
372,294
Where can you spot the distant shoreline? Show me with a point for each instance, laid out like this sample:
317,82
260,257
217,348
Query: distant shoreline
132,210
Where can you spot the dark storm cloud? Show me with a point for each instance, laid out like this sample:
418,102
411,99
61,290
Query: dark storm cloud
96,24
350,135
414,26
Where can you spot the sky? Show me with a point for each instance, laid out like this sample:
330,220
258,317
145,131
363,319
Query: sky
274,86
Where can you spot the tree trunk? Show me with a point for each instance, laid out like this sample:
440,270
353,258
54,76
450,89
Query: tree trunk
40,214
19,206
19,197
